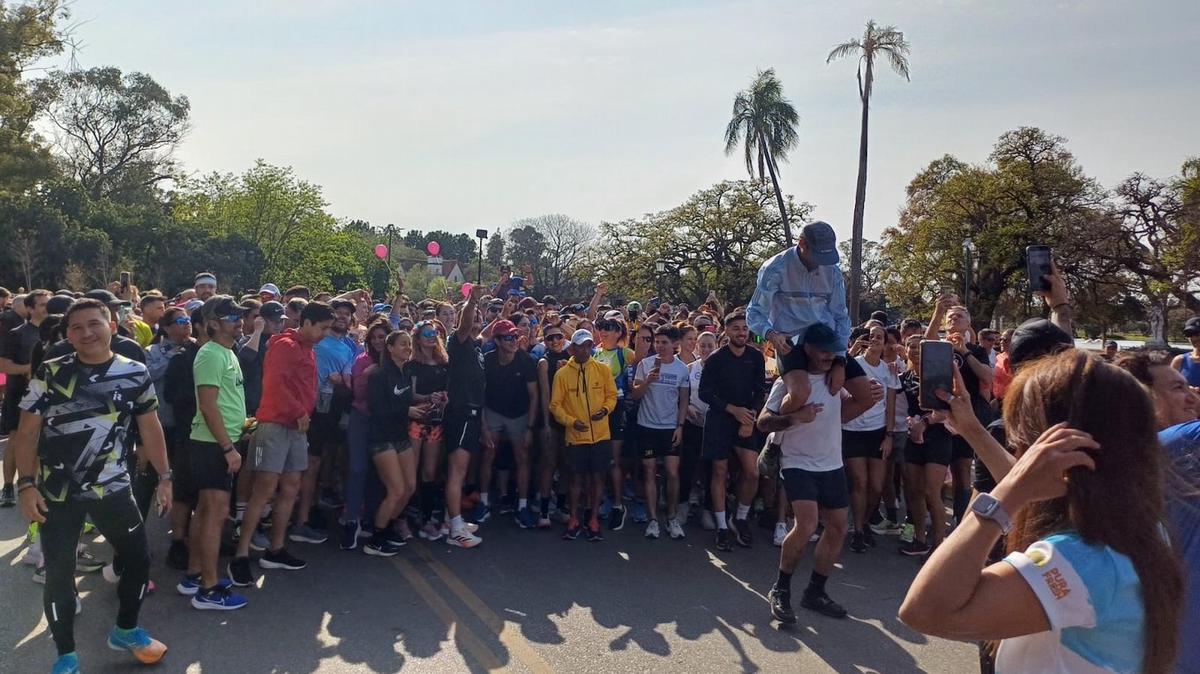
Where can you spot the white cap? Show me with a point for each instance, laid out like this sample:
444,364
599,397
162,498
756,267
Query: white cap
581,337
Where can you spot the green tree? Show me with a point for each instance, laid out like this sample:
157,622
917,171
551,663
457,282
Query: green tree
495,250
563,246
873,296
764,123
29,33
875,43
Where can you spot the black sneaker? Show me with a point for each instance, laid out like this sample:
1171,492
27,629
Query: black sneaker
239,572
8,496
381,547
741,529
280,559
724,540
857,544
914,549
868,536
781,606
395,538
616,519
177,556
821,603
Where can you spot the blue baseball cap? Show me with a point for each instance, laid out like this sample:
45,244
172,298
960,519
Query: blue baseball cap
821,242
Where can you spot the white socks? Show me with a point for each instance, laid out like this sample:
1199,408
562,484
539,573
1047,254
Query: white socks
721,523
743,511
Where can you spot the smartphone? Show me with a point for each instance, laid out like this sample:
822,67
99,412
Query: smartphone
124,280
123,313
937,373
1037,265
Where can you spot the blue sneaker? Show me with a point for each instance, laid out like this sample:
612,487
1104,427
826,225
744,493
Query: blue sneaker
526,519
481,513
349,535
66,664
605,507
137,641
190,585
639,512
217,600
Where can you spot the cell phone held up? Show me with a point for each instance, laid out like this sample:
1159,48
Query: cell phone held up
937,373
1037,265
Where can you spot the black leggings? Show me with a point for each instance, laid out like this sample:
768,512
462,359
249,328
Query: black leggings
117,517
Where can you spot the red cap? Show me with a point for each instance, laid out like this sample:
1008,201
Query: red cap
504,328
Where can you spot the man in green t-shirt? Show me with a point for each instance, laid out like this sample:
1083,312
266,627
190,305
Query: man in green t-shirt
212,457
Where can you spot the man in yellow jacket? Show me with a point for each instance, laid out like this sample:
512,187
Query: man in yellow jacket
584,394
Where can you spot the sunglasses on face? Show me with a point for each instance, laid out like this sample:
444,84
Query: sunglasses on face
234,318
429,334
553,338
182,320
507,338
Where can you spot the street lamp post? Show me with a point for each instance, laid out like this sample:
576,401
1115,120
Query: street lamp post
660,269
480,234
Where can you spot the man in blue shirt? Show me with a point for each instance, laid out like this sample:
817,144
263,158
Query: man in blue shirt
797,288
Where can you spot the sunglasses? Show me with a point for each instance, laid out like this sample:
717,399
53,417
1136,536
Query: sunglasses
429,334
553,338
507,338
233,318
182,320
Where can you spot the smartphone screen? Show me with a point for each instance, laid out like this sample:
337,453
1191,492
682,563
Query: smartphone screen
124,279
937,373
1037,264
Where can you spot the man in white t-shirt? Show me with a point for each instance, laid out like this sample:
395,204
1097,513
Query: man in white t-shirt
661,383
811,465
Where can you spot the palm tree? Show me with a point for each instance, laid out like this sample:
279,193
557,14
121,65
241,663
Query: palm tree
875,43
765,124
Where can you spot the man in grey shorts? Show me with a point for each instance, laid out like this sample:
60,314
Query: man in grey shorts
278,453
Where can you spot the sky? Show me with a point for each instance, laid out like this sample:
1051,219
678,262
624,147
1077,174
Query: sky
474,113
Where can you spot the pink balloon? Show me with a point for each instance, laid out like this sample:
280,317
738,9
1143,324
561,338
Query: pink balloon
434,248
381,251
466,289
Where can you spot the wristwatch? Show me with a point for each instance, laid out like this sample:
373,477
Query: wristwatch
988,508
166,476
230,448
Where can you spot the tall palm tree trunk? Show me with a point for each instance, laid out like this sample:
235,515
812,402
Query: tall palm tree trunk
783,214
860,202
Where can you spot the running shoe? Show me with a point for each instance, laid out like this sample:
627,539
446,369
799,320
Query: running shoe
674,530
781,606
640,514
741,531
526,519
366,529
781,532
349,537
868,537
463,539
573,530
177,556
481,513
110,573
707,521
190,585
606,507
821,603
394,537
594,534
724,540
914,549
507,506
885,527
857,544
907,533
330,499
39,575
280,559
33,554
66,664
470,526
652,529
381,547
147,651
616,519
544,522
86,562
8,496
217,599
432,531
305,534
239,572
259,541
403,530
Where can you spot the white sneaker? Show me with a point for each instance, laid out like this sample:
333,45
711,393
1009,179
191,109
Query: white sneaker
652,529
781,532
471,527
707,521
33,554
110,574
673,529
463,539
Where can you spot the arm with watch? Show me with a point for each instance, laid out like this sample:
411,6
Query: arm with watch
154,450
206,402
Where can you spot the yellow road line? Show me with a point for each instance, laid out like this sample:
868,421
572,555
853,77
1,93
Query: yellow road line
508,636
459,631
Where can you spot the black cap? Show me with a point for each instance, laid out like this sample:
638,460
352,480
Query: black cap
821,242
823,337
271,311
1035,338
100,294
59,304
1191,326
219,306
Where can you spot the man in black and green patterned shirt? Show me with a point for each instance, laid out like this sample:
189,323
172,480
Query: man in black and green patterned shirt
75,420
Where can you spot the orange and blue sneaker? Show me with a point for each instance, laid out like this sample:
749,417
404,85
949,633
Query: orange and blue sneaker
137,641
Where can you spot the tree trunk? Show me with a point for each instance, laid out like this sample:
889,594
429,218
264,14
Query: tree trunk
783,214
856,234
1156,314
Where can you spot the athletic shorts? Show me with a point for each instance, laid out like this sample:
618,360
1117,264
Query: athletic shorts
863,444
655,443
827,488
203,467
797,359
398,446
721,437
424,432
693,440
511,428
275,448
616,420
463,429
962,448
324,431
591,458
937,451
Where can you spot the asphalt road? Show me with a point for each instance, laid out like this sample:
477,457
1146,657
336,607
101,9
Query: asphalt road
524,601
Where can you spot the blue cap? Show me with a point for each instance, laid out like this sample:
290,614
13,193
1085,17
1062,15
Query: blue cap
821,242
823,337
381,307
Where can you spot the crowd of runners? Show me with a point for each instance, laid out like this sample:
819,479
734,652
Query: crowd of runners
284,418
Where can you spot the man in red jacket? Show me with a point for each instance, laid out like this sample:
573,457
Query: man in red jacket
279,450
